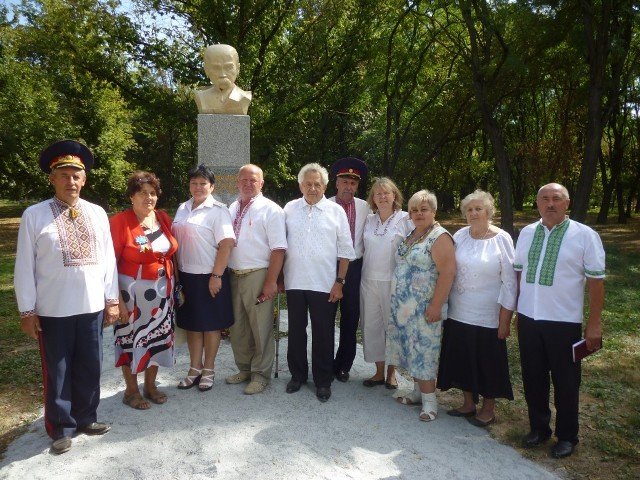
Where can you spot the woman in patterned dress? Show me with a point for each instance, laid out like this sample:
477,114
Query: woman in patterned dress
144,246
422,279
474,348
383,232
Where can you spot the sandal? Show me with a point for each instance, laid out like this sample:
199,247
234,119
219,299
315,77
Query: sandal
136,401
156,396
206,380
429,411
412,398
428,416
190,380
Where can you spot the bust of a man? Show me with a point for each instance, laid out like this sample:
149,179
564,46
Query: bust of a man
222,65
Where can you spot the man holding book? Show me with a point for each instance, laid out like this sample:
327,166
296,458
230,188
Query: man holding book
555,257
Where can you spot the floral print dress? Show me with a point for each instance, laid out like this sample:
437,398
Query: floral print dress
412,342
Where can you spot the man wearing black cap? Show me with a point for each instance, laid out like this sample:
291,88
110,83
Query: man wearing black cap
349,172
67,286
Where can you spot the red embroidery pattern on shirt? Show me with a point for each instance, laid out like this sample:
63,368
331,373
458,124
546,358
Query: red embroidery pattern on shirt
76,235
237,222
350,210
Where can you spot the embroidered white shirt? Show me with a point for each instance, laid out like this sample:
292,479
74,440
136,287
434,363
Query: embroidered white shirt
64,266
317,236
485,279
362,211
580,255
199,231
262,230
381,241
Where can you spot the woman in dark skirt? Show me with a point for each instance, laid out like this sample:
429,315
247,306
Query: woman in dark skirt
473,357
205,236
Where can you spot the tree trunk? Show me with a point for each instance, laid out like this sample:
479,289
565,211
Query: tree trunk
597,36
477,62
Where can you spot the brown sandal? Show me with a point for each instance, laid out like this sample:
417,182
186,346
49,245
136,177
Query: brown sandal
136,401
156,396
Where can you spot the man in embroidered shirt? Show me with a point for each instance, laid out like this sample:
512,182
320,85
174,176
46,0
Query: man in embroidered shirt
319,248
255,263
67,286
349,172
554,259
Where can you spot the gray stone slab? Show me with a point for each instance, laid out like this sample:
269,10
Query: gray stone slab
224,145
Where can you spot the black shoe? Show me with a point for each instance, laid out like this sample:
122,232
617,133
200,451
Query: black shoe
95,428
342,376
294,385
390,386
323,393
562,449
369,382
534,439
61,445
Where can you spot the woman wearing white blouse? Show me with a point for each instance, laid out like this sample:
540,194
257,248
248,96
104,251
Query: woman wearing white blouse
205,235
383,232
474,350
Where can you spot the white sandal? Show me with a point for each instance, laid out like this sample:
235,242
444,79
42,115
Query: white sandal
206,381
429,410
190,380
412,398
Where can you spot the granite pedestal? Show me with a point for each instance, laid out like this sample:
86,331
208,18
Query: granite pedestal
224,146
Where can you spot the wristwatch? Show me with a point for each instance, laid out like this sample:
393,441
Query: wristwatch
340,280
216,276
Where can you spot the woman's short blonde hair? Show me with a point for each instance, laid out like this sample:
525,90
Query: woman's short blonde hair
479,195
385,183
314,167
421,197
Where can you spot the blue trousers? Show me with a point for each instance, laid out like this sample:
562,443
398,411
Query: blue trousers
71,354
349,317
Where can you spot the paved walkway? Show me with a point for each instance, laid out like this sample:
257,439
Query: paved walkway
359,433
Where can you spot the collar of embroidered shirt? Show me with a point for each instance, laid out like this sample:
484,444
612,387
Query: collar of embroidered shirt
65,204
320,204
566,219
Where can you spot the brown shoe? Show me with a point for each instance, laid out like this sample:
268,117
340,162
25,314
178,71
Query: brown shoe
254,387
95,428
238,378
61,445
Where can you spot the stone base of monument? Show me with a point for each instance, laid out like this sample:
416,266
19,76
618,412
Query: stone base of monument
224,145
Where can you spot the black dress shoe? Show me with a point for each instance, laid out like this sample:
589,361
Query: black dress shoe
369,382
293,386
534,439
95,428
562,449
342,376
323,393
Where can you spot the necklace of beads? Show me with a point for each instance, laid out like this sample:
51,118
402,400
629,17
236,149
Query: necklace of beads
386,227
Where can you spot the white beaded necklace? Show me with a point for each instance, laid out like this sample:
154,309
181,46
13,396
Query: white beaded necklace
386,227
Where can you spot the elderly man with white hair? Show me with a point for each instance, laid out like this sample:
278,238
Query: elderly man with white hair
555,257
318,237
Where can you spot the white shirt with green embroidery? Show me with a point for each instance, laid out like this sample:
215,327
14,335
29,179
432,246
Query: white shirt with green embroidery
555,264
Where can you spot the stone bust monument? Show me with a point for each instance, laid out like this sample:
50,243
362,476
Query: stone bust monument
222,65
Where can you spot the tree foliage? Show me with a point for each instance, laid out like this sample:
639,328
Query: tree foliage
451,96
